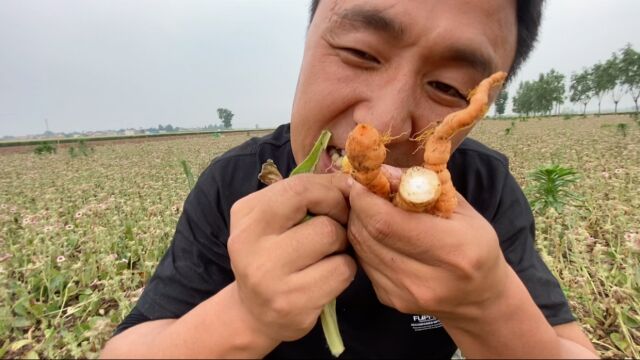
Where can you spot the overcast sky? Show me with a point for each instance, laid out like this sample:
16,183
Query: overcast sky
109,64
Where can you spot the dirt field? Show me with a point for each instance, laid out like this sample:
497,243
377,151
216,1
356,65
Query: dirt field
80,236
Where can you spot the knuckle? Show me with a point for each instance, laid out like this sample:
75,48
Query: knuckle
296,185
358,236
235,208
385,299
328,230
382,297
255,276
345,269
403,307
233,247
280,308
379,227
239,208
425,299
469,267
250,280
308,323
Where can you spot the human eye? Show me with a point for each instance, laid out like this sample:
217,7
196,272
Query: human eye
447,90
359,57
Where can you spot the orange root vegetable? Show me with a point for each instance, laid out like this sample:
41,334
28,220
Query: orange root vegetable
438,145
366,153
422,189
419,189
437,154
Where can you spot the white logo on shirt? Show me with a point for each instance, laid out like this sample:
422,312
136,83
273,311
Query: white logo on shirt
425,322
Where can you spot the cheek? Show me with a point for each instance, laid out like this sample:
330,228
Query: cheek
323,101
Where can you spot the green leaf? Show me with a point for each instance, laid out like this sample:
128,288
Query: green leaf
21,322
186,169
37,309
309,164
57,283
630,321
589,321
20,309
619,341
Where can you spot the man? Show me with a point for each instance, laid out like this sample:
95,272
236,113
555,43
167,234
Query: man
244,277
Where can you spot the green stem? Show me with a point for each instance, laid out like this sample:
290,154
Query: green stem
328,316
329,321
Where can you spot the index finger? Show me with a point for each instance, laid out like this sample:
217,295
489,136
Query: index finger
399,229
284,204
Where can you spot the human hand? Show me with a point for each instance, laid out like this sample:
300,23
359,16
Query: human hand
423,264
286,270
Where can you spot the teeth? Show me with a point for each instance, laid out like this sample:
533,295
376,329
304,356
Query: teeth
336,156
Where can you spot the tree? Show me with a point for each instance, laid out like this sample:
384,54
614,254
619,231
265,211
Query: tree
524,98
501,102
225,116
581,89
630,70
554,88
601,81
540,96
613,71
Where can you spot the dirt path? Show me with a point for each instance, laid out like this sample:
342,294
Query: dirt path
21,149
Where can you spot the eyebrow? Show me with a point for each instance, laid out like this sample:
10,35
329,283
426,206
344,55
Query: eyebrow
364,18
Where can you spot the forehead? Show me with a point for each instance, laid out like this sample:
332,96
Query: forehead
485,29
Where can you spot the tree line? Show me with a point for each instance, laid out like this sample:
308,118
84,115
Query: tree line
617,76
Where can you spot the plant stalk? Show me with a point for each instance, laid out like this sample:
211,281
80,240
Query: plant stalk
328,317
329,321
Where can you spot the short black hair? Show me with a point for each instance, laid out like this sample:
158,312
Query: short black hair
529,17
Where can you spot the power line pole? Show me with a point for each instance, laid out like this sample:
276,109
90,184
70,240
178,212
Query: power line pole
46,124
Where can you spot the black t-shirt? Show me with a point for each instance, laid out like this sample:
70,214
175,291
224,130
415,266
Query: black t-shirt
196,265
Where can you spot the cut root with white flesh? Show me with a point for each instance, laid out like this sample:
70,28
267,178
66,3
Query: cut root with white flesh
419,189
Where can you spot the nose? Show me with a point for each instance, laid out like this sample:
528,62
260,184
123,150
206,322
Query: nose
389,107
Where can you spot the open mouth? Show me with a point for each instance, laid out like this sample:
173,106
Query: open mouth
336,155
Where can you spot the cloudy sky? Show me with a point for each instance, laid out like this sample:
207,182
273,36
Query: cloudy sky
108,64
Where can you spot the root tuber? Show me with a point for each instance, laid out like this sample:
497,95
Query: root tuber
366,153
422,189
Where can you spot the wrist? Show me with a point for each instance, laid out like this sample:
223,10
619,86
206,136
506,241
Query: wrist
252,338
507,325
490,298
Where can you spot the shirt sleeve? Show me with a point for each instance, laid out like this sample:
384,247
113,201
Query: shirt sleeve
514,223
196,265
134,318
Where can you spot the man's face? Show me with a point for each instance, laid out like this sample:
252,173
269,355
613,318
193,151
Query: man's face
399,65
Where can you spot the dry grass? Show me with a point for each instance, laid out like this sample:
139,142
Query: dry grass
80,236
593,247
